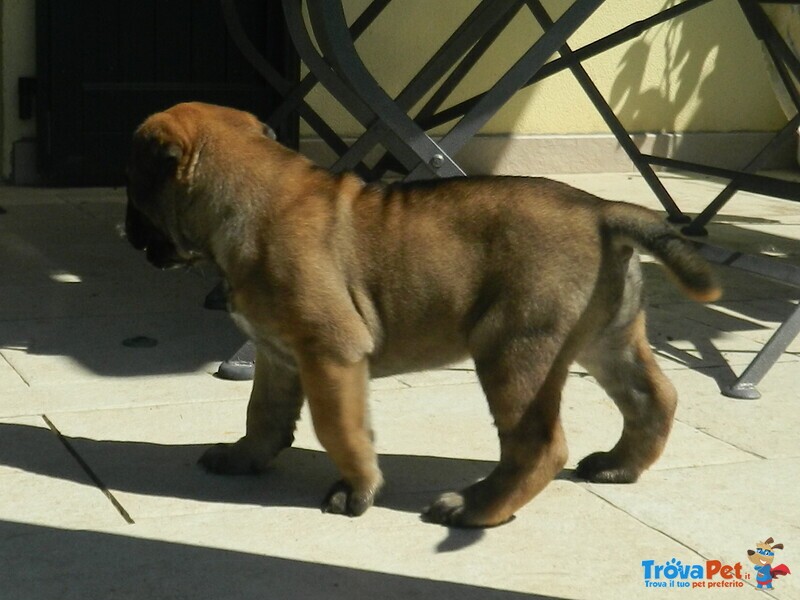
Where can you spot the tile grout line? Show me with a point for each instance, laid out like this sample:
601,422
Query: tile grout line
88,470
719,439
654,528
638,520
8,362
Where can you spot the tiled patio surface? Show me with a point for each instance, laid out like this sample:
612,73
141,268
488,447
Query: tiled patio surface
101,496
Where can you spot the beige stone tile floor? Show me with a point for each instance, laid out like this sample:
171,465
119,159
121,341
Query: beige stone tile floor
101,496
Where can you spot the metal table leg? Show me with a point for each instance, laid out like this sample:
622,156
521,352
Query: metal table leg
486,21
745,386
271,75
330,29
607,113
362,22
515,78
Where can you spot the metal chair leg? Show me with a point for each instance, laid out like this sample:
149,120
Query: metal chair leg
240,366
745,386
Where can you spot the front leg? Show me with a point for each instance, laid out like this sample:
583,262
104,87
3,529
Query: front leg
273,410
337,397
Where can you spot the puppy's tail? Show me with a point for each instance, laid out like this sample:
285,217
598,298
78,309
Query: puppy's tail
646,230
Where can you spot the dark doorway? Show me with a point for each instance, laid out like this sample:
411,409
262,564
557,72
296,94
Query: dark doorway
104,65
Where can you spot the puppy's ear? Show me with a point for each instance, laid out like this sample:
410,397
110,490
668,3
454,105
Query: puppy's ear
153,160
154,156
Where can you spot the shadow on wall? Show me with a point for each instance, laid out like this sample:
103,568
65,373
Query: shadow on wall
698,64
688,46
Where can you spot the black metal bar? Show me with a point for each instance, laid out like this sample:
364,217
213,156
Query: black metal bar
608,115
516,77
764,30
331,80
783,73
617,38
410,144
235,29
749,182
581,54
787,133
317,65
279,83
458,73
480,20
466,64
300,91
745,386
366,18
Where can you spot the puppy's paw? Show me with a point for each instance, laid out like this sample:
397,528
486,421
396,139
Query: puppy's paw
447,509
604,467
235,459
343,499
453,510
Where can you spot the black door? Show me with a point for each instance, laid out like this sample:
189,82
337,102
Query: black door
104,65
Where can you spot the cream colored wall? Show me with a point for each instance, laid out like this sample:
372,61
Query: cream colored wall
700,72
2,116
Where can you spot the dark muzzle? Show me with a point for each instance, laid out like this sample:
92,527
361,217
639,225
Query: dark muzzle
143,235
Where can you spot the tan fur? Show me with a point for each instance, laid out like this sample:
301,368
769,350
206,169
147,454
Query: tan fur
337,281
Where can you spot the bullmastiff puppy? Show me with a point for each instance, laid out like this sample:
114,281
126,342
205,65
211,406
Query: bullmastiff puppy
336,281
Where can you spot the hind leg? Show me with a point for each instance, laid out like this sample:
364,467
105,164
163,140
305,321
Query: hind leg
623,363
523,383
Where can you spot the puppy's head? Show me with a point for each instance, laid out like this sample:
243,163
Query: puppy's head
152,165
156,153
178,163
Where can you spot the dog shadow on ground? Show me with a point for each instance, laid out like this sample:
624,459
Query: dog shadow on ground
299,477
719,340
